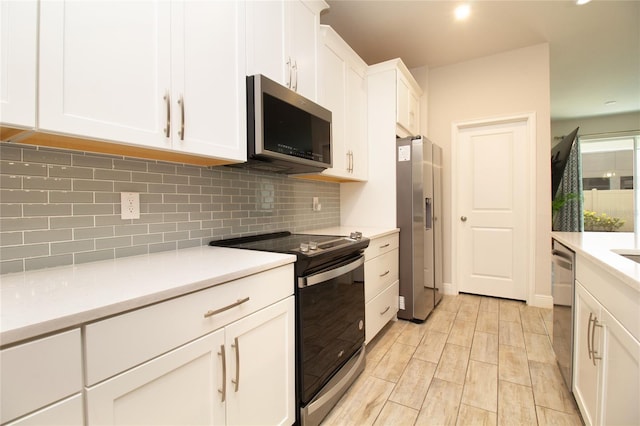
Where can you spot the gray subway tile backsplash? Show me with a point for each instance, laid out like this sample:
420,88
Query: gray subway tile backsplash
60,207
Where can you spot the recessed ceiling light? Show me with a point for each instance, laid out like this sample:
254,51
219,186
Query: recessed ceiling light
462,12
581,2
610,103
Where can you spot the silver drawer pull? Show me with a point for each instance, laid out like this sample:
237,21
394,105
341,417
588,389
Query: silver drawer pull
385,274
226,308
385,311
385,246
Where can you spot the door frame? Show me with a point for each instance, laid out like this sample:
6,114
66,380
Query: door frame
529,118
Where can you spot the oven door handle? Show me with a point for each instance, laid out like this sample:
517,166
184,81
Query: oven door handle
330,274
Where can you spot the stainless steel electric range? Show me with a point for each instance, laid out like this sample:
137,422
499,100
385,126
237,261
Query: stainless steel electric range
329,291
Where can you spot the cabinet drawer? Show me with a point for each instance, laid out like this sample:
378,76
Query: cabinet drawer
68,413
381,310
116,344
379,273
39,373
381,245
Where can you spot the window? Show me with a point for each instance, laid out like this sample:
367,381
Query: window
609,168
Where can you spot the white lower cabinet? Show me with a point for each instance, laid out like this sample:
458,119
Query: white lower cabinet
174,389
621,374
41,381
261,367
586,370
606,364
240,374
381,285
67,412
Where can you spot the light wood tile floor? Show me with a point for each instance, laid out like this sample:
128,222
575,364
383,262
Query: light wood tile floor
476,360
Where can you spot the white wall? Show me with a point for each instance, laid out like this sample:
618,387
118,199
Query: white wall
598,124
503,84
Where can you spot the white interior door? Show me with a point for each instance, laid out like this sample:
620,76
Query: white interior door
493,193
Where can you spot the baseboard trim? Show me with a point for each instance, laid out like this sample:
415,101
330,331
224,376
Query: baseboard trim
449,289
542,301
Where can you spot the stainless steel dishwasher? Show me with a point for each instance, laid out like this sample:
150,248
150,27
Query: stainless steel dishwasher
562,289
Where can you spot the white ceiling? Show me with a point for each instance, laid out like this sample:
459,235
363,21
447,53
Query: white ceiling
594,48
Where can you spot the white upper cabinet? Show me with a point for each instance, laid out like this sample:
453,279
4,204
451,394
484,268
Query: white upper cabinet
408,104
282,42
104,70
154,74
343,90
208,78
18,52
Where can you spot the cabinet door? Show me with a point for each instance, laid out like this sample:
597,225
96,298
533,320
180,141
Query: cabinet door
402,104
356,121
104,70
181,387
260,367
266,47
408,107
343,90
332,96
208,79
18,47
302,24
621,375
586,370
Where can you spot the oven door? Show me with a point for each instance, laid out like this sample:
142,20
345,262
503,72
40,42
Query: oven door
331,322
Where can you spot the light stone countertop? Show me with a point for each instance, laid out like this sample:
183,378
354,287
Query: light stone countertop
38,302
598,246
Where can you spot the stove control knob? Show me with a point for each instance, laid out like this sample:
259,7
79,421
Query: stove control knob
356,235
313,245
304,247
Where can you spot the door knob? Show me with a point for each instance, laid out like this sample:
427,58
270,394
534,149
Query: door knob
463,218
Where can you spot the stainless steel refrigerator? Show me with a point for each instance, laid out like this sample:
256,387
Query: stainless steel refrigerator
418,211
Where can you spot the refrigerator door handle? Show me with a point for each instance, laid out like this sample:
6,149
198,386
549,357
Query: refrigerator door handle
427,213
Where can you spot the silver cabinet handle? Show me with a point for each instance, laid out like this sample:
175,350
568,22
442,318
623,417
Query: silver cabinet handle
295,74
593,332
223,391
463,218
290,71
167,129
385,246
237,348
385,274
352,162
589,335
348,161
181,132
385,311
226,308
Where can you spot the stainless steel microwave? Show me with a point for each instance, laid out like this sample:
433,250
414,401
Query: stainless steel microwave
286,132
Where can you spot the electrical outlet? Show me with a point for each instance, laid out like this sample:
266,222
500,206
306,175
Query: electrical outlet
129,205
316,204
